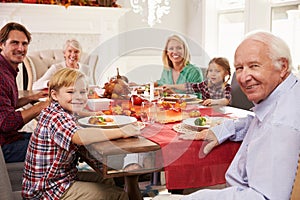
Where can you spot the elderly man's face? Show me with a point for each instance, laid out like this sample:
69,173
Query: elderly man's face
255,71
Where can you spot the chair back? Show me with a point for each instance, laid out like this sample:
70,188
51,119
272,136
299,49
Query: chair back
5,186
238,98
36,63
296,188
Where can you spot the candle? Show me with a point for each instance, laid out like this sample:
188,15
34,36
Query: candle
151,91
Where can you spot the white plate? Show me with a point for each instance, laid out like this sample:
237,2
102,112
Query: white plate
211,121
137,87
191,122
119,120
184,97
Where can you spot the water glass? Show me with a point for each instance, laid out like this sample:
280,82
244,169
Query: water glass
148,112
159,94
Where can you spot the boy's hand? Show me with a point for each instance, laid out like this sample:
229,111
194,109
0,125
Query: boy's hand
130,131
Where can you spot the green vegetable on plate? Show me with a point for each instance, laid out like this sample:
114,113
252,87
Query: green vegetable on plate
101,119
200,121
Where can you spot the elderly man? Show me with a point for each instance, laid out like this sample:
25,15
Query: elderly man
14,40
266,163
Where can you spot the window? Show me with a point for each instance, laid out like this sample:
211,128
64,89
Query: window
230,26
286,24
231,4
231,32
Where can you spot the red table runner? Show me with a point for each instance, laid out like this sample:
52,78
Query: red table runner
185,164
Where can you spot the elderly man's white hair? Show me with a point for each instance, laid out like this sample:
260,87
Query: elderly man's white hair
278,48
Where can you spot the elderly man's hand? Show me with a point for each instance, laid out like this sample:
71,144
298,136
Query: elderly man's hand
206,135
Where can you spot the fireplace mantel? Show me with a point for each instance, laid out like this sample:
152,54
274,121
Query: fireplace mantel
43,18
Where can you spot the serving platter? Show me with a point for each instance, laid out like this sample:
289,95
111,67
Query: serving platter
184,97
138,88
118,121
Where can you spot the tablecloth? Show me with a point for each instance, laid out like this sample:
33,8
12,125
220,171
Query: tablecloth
185,164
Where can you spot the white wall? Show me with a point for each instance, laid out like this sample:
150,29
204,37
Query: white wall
142,46
176,19
52,25
119,36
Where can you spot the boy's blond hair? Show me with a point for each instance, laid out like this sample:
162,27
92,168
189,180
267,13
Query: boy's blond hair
64,78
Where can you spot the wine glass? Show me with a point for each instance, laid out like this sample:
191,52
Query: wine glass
160,94
144,113
152,113
148,112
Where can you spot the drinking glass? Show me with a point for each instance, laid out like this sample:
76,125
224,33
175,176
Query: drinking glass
144,115
148,112
160,94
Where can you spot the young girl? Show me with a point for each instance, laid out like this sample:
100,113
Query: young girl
50,165
215,89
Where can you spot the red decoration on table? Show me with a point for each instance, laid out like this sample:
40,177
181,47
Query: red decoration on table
185,164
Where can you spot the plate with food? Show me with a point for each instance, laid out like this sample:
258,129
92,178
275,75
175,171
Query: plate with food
107,121
184,97
138,88
203,122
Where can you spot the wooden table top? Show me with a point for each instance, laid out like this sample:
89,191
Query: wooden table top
128,145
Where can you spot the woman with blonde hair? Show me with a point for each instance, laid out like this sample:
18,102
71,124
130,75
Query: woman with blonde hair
72,52
177,67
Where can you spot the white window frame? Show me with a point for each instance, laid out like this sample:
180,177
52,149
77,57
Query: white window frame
253,11
291,30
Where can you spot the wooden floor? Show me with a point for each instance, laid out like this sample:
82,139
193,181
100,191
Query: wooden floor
161,189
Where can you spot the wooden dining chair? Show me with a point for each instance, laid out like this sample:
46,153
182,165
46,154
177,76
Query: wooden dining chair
296,187
6,191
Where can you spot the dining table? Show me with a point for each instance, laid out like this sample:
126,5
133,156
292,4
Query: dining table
183,161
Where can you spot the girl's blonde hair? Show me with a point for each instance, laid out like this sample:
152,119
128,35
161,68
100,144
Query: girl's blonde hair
224,63
64,78
186,57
